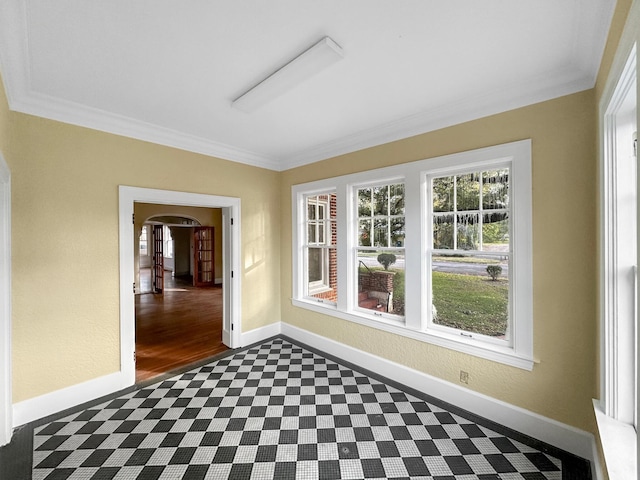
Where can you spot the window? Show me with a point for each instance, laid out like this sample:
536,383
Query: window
619,255
469,253
144,248
167,247
380,248
320,251
437,250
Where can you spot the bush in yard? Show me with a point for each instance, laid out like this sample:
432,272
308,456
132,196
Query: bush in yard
494,271
386,259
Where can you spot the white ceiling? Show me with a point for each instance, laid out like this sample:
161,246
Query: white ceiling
166,71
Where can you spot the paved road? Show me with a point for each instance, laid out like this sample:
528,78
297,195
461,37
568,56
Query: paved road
479,269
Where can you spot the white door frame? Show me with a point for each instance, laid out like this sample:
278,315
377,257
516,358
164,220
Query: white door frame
231,241
6,408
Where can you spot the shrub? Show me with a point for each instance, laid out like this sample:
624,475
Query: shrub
386,259
494,271
398,293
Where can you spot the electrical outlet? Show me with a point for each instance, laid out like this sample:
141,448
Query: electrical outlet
464,376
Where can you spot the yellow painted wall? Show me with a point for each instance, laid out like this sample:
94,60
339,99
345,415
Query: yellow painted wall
562,384
65,241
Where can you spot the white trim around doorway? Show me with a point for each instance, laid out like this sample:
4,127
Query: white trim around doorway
231,264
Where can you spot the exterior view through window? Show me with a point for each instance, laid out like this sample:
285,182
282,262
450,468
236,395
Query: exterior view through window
471,252
380,250
321,247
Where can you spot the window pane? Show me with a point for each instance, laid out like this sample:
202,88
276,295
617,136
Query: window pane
396,199
397,232
381,200
495,232
468,231
381,281
495,189
471,293
311,208
315,265
364,202
143,241
443,194
381,232
443,231
364,233
312,233
323,274
468,192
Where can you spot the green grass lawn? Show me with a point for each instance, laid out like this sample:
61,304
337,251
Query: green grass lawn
471,303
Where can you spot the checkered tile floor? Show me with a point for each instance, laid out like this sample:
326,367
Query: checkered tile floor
278,411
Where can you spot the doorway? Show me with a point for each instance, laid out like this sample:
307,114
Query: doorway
230,239
179,287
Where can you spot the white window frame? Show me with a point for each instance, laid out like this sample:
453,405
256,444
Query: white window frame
321,285
309,289
355,247
414,325
616,410
428,205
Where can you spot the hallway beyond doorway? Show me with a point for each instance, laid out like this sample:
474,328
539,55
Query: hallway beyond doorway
180,327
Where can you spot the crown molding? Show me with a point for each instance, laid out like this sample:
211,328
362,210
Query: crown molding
498,101
76,114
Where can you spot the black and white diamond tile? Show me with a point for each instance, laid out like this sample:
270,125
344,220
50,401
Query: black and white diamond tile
278,411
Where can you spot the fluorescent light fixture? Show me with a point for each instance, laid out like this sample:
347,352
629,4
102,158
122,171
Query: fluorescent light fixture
310,62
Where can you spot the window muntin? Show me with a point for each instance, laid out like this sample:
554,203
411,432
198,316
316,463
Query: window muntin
320,247
380,248
470,254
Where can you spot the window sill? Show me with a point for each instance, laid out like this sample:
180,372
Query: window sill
618,441
469,346
318,290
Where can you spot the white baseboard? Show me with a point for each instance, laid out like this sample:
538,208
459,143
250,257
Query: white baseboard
560,435
259,334
54,402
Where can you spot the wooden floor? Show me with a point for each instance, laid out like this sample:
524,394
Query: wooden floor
178,328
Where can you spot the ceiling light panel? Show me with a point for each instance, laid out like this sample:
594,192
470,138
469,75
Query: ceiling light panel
312,61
